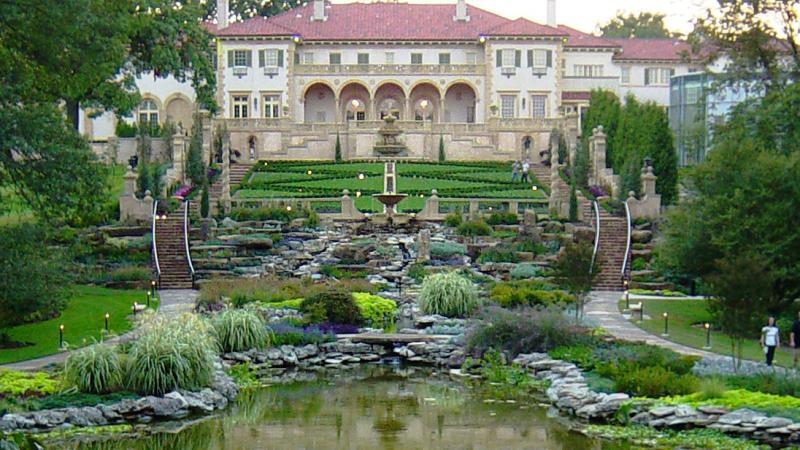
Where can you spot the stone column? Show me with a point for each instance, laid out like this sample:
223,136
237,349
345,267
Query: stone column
474,208
178,155
597,146
349,210
431,209
648,182
513,207
129,183
424,246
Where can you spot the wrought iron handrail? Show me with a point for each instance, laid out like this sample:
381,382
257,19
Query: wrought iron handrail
596,208
155,247
186,238
628,242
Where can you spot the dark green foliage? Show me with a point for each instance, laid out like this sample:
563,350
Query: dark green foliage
251,8
474,228
442,157
767,382
280,213
418,272
453,219
498,254
581,167
573,271
125,130
338,149
32,277
195,166
523,330
144,180
447,249
333,305
573,201
604,110
157,185
502,218
643,25
653,382
204,206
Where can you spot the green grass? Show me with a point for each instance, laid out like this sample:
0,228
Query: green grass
683,314
283,179
83,321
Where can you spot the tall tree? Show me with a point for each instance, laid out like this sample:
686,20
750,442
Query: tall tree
744,198
59,55
759,38
244,9
605,109
575,271
643,25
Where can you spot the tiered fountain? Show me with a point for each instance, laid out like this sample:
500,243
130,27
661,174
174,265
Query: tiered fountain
390,144
390,198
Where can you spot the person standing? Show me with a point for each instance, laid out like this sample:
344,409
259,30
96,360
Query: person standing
770,339
526,167
794,340
515,167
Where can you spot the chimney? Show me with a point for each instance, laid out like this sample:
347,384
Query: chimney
319,11
222,14
551,13
461,11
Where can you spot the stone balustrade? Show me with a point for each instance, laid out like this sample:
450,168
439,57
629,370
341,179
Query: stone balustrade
390,69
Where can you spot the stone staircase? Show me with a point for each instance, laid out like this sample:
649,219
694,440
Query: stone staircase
175,273
611,252
542,174
238,171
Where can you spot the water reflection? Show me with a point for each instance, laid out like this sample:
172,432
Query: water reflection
375,408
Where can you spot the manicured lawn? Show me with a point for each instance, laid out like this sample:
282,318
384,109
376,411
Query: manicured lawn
283,179
684,315
83,320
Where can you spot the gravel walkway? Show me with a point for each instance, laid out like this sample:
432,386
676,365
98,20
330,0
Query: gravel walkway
173,302
603,310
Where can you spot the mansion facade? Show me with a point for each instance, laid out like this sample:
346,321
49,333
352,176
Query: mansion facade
487,86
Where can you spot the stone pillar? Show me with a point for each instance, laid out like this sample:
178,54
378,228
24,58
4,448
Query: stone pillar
513,207
409,113
597,155
554,204
349,210
424,246
474,208
178,155
648,181
431,209
129,183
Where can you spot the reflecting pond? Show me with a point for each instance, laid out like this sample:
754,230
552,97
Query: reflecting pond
374,407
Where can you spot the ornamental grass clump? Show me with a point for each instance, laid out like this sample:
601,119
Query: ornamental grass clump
96,369
239,330
172,354
448,294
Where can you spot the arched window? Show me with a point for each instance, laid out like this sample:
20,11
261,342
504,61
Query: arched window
356,110
148,112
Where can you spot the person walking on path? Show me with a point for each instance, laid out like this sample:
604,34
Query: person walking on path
770,339
526,167
515,167
794,340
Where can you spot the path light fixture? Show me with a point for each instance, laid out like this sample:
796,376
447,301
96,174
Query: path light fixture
627,300
708,336
148,299
358,194
135,307
310,173
535,188
153,288
361,176
107,316
289,208
61,336
421,195
666,324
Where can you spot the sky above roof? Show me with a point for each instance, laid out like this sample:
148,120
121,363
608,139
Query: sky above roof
585,15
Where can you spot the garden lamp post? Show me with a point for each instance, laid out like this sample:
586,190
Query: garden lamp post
641,312
153,287
135,307
666,324
708,336
61,336
107,316
148,299
627,300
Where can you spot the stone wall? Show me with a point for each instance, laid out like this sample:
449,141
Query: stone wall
649,206
133,210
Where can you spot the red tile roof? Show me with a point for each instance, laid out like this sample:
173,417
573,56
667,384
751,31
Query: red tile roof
387,21
651,49
524,27
577,38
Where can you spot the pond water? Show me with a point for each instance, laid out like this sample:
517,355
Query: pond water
373,408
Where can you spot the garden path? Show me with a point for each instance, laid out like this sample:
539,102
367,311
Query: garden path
602,308
173,302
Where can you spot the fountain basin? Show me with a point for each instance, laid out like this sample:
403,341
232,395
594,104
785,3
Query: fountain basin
390,200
